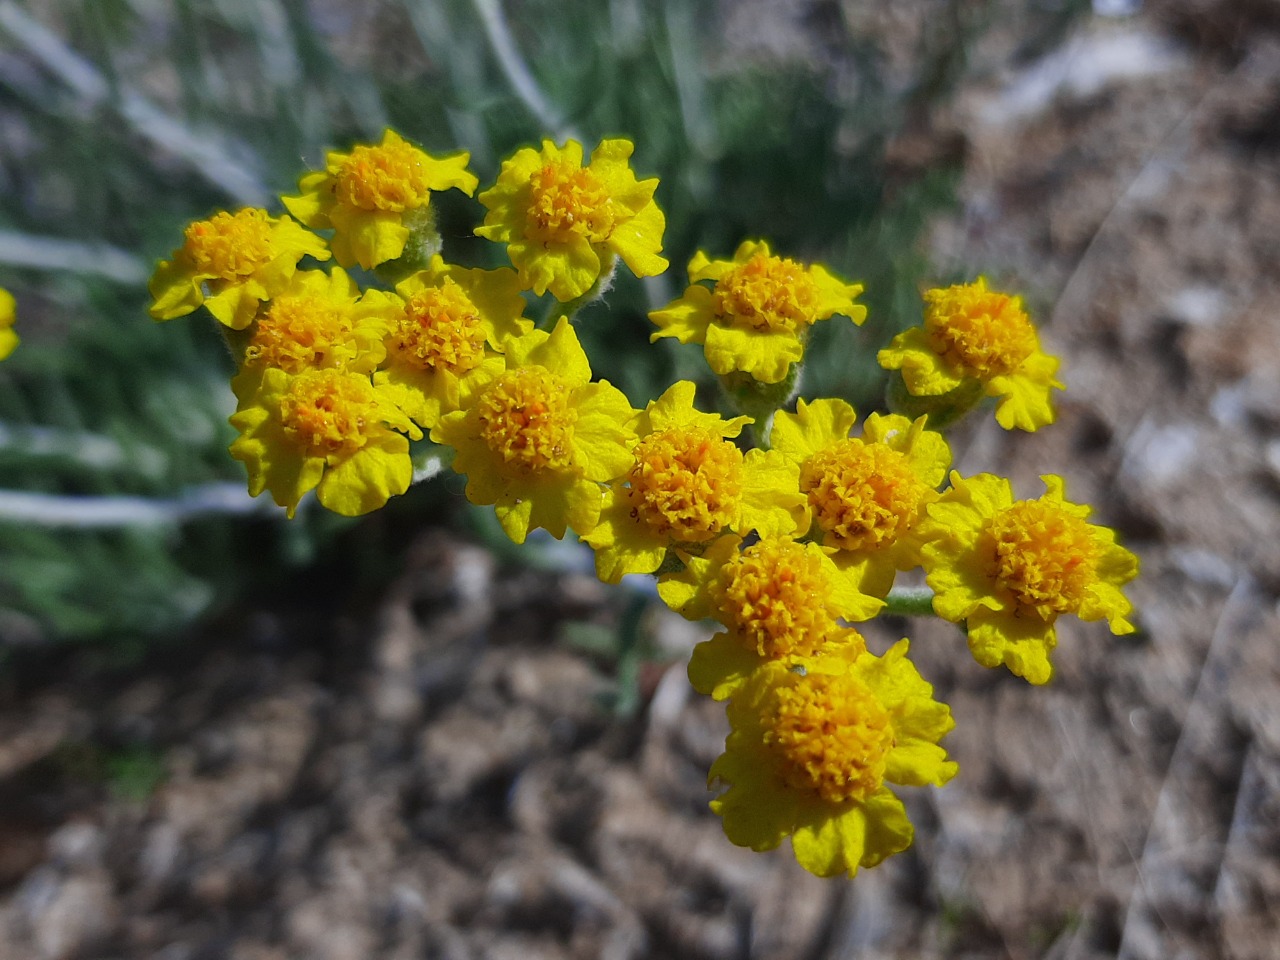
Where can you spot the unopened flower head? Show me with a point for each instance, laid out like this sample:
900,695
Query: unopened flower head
374,197
1010,568
810,755
324,429
446,324
865,494
688,485
975,335
539,438
8,314
230,263
755,318
564,223
780,599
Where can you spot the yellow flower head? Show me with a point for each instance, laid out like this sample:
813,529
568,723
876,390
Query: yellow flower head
972,334
231,263
809,756
865,495
1010,569
324,429
563,222
312,323
689,484
444,324
756,316
780,600
8,314
375,195
539,438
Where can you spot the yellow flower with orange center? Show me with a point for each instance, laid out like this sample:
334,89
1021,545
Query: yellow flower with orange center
374,197
230,263
564,223
810,755
447,324
538,439
780,600
865,495
1010,569
8,314
972,335
330,430
689,484
312,323
756,316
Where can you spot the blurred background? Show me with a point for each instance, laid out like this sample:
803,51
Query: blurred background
225,735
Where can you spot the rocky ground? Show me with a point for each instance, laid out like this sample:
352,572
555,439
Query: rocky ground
436,774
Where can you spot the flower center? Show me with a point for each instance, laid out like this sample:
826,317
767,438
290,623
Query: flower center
302,333
441,330
1042,555
328,412
774,595
830,735
527,420
229,246
568,201
863,495
979,332
389,177
686,483
772,294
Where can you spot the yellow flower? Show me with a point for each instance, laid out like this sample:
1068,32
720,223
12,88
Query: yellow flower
375,195
539,438
1010,569
809,755
328,430
8,314
865,495
563,223
972,335
688,485
313,323
780,599
231,263
756,316
440,320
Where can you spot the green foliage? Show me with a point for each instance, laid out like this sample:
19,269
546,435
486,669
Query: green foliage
127,120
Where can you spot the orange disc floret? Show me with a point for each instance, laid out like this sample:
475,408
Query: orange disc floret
774,597
325,414
374,197
780,600
829,736
231,263
767,293
1009,569
863,495
976,339
526,420
686,484
325,429
755,318
538,439
564,223
229,246
440,329
980,333
810,755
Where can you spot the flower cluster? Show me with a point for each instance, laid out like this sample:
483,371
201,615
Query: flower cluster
786,522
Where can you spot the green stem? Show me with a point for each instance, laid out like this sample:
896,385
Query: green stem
570,308
909,602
